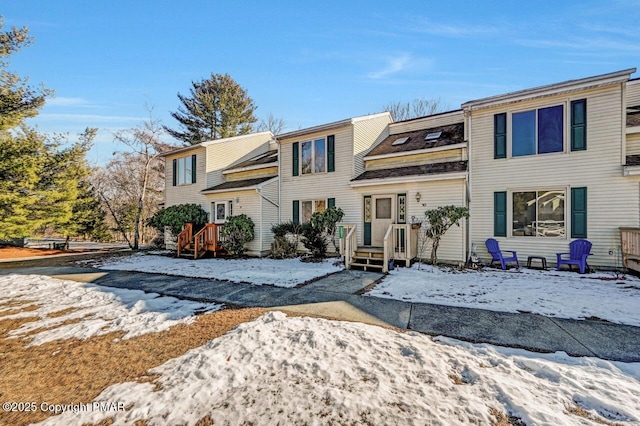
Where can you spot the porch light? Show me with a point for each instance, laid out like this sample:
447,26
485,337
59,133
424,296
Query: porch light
418,197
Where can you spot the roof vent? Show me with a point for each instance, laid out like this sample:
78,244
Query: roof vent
400,141
433,136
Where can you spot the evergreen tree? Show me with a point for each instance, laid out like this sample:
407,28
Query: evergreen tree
215,108
18,100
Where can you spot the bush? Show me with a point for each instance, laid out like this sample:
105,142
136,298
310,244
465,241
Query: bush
236,232
286,239
174,217
314,239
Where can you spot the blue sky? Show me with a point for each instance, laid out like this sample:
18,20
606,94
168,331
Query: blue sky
306,62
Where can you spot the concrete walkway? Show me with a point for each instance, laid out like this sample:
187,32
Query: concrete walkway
334,297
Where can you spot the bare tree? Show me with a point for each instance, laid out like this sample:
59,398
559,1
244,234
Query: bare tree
273,124
419,107
131,184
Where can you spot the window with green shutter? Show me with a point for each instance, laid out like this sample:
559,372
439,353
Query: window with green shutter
578,212
296,211
331,153
579,125
193,168
296,158
500,135
175,172
368,215
500,214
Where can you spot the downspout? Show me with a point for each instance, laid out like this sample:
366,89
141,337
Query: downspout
469,188
279,184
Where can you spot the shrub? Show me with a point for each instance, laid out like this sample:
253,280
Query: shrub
174,217
440,220
286,239
236,232
313,237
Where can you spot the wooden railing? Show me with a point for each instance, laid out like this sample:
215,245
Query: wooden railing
400,243
630,239
200,243
184,237
348,244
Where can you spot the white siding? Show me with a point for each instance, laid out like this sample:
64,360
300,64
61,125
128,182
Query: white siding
190,193
633,144
244,202
427,122
223,153
613,200
633,93
269,213
367,133
433,194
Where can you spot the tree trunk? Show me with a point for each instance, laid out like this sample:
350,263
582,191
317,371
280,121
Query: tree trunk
143,193
434,251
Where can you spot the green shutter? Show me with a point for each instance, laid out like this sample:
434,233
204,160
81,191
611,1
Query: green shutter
331,153
296,211
331,202
499,214
578,212
296,156
367,220
579,125
175,172
500,135
193,168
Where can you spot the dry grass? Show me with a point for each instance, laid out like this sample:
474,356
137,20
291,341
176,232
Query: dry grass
76,371
456,379
581,412
501,419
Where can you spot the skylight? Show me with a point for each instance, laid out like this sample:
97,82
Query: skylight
400,141
433,136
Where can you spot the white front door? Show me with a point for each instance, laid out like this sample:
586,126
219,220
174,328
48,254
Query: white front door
383,215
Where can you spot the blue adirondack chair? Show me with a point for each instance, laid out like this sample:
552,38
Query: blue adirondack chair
496,254
578,252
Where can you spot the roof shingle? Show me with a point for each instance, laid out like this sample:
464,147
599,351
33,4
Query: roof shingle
423,169
451,134
239,184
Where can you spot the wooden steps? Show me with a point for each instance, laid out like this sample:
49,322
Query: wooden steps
368,259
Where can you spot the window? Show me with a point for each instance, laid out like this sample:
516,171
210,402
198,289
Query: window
383,208
184,170
302,210
315,156
538,213
221,210
311,207
537,132
541,131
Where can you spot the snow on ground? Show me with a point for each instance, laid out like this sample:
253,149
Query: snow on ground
561,294
99,309
280,273
279,370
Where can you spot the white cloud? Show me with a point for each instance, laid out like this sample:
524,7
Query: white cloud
427,26
67,102
394,65
89,118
